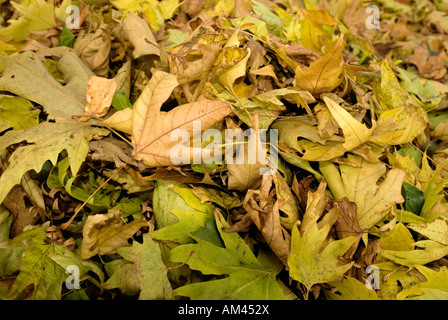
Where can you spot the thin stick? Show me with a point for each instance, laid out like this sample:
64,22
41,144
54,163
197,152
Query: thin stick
69,222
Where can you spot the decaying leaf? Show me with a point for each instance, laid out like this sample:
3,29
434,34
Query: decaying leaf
149,272
99,97
312,260
60,102
104,233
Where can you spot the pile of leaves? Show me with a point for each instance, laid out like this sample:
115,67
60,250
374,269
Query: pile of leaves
87,182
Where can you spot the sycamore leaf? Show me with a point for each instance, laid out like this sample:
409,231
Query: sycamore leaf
104,233
358,182
37,15
246,278
312,260
324,74
428,251
264,212
60,102
152,129
46,141
37,268
436,230
350,289
398,239
435,287
149,274
219,197
120,120
228,77
435,204
178,212
355,133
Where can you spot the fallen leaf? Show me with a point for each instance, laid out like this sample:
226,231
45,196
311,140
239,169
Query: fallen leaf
355,133
140,36
247,277
312,260
359,184
44,89
324,74
432,67
428,251
263,210
347,225
46,142
104,233
179,213
99,97
150,279
151,128
17,113
94,50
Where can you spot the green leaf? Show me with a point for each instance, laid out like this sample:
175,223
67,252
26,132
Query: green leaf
37,268
67,38
121,101
46,141
17,113
209,233
178,212
149,274
246,278
414,199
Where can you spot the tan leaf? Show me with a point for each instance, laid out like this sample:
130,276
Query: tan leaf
151,128
139,34
432,67
94,49
264,212
120,120
99,97
104,233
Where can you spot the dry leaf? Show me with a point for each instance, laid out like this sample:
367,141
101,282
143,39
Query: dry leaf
324,74
140,36
151,128
263,210
432,67
99,97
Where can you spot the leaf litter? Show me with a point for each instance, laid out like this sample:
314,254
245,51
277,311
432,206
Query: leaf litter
88,179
